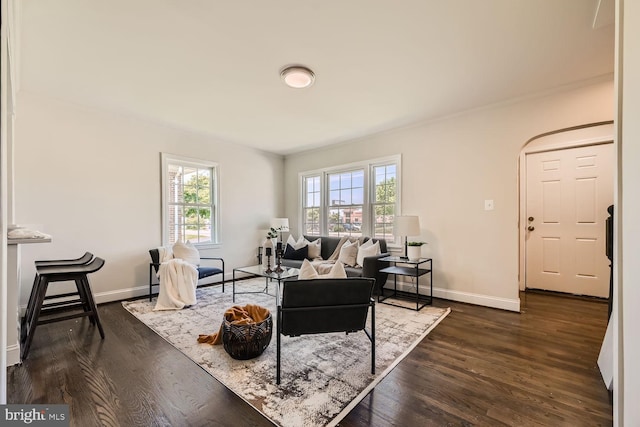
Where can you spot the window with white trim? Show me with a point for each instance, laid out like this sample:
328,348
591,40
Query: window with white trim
356,200
311,205
189,200
383,199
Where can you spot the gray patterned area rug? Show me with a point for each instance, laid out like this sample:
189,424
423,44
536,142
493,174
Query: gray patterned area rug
323,376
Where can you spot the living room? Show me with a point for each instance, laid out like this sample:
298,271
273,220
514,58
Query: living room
90,176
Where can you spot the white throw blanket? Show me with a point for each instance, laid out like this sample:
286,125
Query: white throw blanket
165,253
323,266
178,281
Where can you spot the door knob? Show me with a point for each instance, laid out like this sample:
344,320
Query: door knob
530,218
531,228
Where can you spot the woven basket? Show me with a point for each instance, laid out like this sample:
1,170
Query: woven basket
246,341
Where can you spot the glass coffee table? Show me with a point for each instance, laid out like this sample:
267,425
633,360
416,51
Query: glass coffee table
259,270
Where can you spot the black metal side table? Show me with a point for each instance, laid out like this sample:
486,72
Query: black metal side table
411,268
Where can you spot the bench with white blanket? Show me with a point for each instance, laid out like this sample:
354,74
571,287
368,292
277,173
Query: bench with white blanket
182,274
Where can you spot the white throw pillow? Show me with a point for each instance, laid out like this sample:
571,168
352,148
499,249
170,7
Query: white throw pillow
187,252
296,244
348,253
314,249
367,250
337,272
367,243
307,272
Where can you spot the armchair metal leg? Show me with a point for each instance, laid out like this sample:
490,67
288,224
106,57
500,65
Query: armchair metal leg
373,337
279,320
150,281
223,276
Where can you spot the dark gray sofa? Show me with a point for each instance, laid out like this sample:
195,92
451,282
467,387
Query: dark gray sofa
370,269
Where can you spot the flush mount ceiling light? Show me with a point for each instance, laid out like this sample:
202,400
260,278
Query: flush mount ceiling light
297,77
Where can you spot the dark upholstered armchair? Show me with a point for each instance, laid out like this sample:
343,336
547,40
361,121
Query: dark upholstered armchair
203,271
326,305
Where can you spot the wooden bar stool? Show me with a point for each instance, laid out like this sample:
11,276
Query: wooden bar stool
84,259
40,313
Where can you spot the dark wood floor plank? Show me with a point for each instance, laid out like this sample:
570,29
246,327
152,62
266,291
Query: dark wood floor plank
510,368
479,367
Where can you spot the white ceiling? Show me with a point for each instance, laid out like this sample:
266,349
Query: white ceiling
213,66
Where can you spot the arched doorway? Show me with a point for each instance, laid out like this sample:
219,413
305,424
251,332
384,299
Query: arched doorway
566,185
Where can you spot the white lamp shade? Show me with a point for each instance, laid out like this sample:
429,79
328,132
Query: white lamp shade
406,225
280,224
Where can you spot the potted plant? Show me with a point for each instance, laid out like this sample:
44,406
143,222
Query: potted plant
272,233
414,250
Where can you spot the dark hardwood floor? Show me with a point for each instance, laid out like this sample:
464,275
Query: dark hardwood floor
480,366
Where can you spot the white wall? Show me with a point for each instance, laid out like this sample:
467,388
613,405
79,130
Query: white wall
92,180
4,142
629,350
450,167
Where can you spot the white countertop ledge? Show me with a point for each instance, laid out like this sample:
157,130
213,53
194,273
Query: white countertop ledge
23,241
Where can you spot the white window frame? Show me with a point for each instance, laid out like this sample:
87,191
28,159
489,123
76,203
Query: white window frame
166,160
372,192
327,206
367,210
303,204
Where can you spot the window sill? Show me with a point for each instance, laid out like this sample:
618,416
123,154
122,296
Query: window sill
395,249
205,246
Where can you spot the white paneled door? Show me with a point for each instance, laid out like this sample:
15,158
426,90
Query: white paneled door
568,192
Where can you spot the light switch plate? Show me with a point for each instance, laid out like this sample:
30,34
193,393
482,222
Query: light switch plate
488,205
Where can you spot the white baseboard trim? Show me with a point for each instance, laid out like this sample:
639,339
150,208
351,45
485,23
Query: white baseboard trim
466,297
139,291
121,294
13,354
478,299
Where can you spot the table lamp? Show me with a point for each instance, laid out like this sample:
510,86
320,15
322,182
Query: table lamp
406,225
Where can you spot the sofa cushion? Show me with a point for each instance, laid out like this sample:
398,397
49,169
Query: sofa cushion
207,272
353,271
